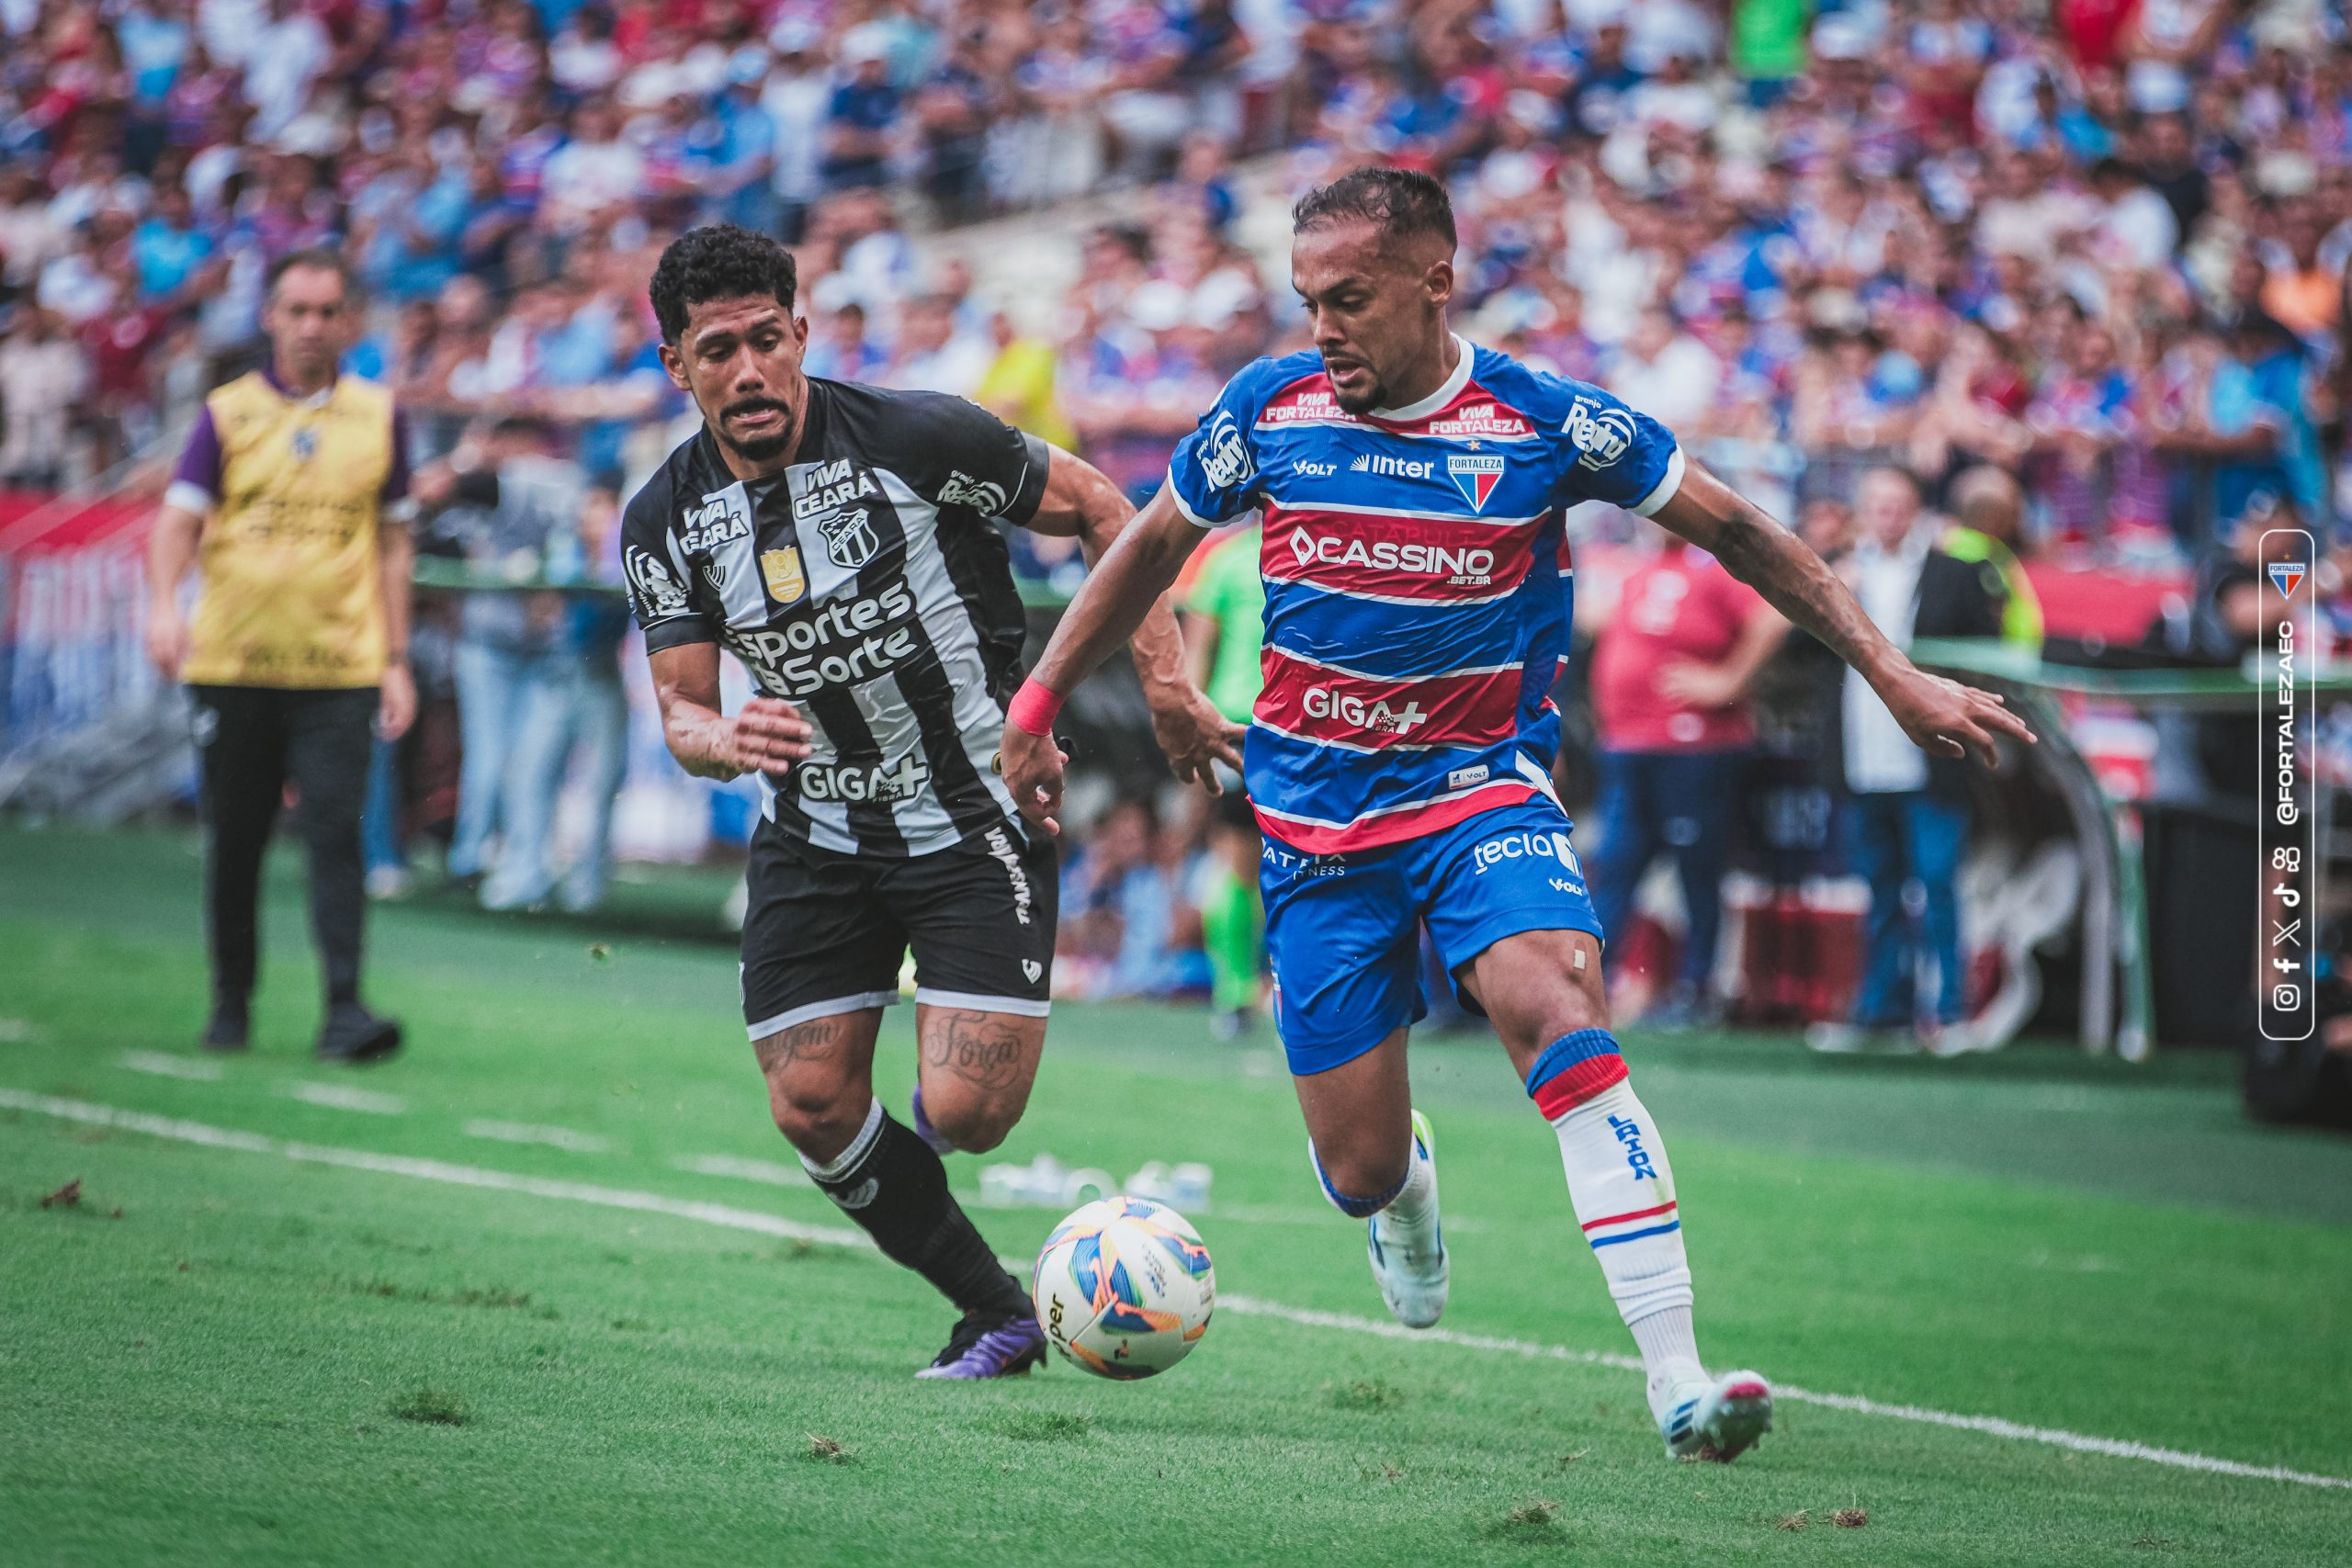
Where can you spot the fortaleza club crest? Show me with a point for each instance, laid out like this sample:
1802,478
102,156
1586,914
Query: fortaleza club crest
2286,576
786,581
1474,474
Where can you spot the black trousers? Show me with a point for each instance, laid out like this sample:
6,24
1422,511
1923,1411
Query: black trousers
252,740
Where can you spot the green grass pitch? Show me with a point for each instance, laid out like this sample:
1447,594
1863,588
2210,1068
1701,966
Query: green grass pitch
223,1354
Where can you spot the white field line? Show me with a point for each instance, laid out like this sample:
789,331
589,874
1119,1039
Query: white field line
839,1235
164,1066
763,1170
532,1133
336,1097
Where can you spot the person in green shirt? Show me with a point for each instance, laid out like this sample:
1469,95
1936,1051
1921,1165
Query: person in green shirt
1767,44
1225,622
1990,509
1224,625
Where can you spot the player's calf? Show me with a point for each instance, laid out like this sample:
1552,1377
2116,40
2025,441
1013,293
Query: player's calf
977,1068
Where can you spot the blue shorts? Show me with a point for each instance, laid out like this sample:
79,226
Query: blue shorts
1343,931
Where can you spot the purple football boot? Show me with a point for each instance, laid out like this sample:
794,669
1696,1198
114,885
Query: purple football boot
989,1347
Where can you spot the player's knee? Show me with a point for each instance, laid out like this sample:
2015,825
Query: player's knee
817,1116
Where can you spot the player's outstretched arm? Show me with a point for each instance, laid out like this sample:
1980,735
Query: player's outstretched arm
1942,717
1079,501
1135,557
766,735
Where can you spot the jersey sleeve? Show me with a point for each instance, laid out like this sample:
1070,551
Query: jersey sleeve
196,477
664,602
1612,453
1214,470
958,454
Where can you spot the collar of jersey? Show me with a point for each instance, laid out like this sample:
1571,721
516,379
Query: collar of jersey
1451,390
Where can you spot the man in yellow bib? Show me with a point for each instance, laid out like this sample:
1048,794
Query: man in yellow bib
291,499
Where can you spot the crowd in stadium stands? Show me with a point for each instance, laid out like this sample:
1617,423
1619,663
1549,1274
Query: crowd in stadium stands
2097,246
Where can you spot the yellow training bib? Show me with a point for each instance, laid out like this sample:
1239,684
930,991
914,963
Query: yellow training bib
291,593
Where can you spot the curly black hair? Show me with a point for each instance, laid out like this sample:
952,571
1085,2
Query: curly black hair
1402,202
719,261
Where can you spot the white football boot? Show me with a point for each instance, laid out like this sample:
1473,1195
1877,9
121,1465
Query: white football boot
1408,1261
1718,1420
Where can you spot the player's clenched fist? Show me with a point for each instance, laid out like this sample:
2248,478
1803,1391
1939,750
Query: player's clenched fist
1032,766
766,735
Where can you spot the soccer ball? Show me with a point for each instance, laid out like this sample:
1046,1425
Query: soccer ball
1123,1288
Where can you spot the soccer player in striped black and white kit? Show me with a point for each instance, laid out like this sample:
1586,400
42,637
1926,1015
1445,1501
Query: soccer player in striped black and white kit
842,542
1418,590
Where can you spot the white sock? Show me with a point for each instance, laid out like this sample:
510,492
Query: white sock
1623,1188
1416,1205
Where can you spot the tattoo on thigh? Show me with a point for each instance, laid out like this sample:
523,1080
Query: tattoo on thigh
977,1046
819,1040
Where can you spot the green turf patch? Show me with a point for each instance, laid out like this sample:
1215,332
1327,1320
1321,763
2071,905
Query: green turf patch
432,1407
214,1378
1047,1426
1366,1393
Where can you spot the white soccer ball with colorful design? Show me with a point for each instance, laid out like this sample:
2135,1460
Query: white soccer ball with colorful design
1125,1287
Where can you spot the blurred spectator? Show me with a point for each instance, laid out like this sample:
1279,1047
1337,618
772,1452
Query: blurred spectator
43,375
1672,667
514,510
580,716
1224,626
1909,811
1120,911
863,114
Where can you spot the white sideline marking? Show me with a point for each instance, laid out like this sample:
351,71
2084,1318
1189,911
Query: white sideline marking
530,1132
16,1031
164,1066
430,1169
765,1170
335,1097
1247,1307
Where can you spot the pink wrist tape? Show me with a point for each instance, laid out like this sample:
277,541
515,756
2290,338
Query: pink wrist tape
1034,708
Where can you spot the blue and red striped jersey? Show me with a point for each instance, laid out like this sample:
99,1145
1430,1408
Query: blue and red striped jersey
1417,583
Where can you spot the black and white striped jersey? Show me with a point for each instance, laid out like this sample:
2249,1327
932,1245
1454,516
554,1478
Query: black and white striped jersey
870,587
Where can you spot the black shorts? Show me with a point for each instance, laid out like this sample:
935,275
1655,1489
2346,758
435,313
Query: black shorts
826,933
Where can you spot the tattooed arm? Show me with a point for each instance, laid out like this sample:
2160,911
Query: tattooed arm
1942,717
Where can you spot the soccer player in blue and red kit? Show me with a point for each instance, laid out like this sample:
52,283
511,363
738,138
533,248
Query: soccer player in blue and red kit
1418,586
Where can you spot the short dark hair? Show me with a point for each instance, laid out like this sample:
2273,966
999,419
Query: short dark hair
719,261
319,258
1402,202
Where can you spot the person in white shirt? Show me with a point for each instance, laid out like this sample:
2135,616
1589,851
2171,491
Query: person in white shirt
1666,373
1909,812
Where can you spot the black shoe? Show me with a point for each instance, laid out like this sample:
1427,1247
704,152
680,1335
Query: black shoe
229,1028
352,1034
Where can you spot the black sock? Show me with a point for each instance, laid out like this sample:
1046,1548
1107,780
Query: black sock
892,1183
